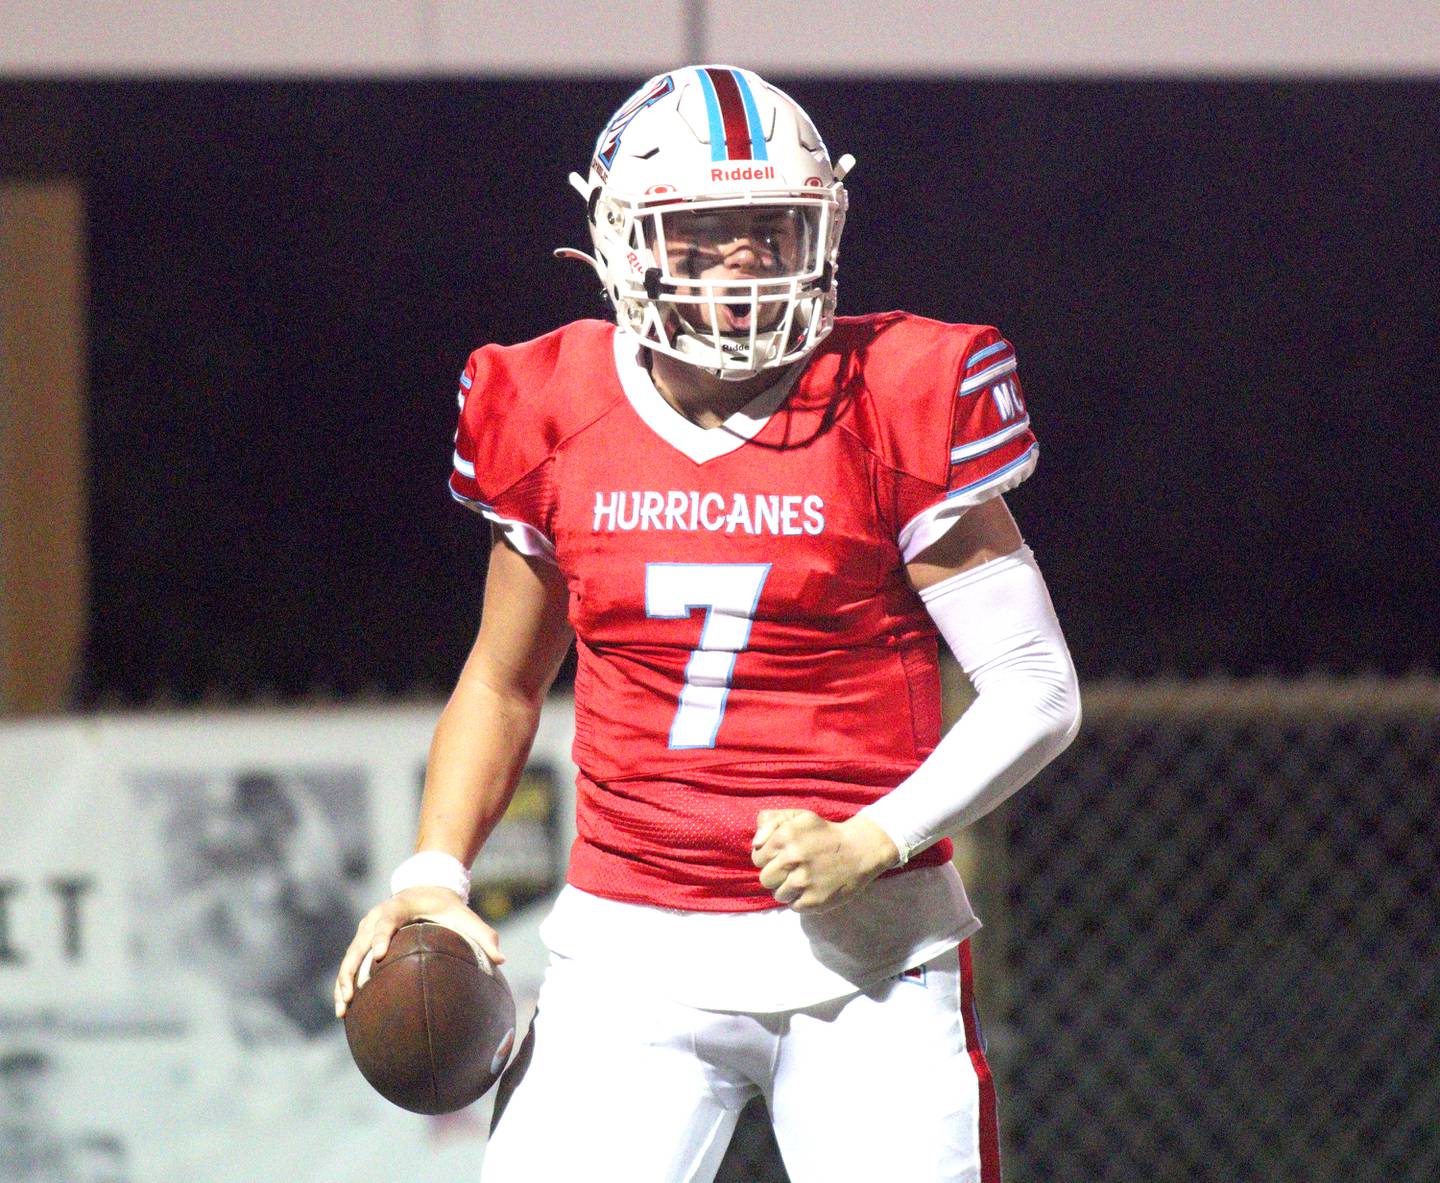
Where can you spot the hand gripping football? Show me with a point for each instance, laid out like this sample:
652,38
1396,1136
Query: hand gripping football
432,1025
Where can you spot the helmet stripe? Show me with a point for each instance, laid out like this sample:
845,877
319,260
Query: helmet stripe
729,106
712,109
752,116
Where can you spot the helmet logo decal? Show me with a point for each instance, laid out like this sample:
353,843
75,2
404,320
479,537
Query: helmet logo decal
609,143
736,132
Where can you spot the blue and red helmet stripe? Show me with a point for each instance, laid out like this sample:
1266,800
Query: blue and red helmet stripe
735,129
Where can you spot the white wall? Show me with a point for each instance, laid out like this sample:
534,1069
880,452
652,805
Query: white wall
410,37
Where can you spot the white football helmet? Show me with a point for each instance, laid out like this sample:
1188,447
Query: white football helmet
697,161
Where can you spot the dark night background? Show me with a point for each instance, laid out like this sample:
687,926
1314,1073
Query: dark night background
1223,295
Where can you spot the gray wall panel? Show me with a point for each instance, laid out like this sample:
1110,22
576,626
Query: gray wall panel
61,38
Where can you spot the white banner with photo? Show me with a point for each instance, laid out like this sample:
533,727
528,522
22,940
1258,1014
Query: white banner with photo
175,892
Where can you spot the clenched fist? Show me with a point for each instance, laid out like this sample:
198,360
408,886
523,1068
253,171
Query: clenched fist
812,864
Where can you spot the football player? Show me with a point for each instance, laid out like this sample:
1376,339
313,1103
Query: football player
752,518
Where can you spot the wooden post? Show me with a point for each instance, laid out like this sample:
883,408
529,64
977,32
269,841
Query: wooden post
44,575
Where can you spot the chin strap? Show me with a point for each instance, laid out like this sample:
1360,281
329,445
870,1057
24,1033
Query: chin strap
582,187
569,252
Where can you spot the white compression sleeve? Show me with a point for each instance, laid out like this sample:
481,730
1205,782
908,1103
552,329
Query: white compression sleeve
998,621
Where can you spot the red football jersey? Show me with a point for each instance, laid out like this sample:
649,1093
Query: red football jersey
747,637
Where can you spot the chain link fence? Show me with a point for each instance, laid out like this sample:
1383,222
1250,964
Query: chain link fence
1211,947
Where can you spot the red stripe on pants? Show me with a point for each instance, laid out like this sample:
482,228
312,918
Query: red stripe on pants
989,1115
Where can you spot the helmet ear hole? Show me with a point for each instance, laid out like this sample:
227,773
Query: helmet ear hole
652,283
590,204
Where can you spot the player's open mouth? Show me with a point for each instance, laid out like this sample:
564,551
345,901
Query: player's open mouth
732,321
737,322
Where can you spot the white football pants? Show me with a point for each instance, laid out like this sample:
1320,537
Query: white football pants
888,1084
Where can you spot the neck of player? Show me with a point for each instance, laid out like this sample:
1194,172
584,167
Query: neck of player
701,396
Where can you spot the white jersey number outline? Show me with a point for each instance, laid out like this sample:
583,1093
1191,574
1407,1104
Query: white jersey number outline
729,593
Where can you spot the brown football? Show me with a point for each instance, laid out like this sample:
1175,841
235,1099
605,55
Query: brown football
432,1027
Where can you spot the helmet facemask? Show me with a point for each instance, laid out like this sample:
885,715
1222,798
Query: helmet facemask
735,288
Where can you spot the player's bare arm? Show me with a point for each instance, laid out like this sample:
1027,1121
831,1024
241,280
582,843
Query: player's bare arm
811,864
986,532
481,743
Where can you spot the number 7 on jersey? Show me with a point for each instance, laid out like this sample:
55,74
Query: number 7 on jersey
729,593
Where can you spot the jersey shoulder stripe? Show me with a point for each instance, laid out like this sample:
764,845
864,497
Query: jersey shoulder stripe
981,446
991,373
988,353
1009,475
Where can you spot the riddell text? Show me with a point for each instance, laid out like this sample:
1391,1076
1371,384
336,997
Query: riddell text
677,509
744,172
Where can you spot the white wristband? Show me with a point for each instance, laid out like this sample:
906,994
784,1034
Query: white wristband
431,868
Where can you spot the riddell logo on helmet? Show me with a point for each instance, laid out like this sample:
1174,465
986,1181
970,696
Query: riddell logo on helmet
744,172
